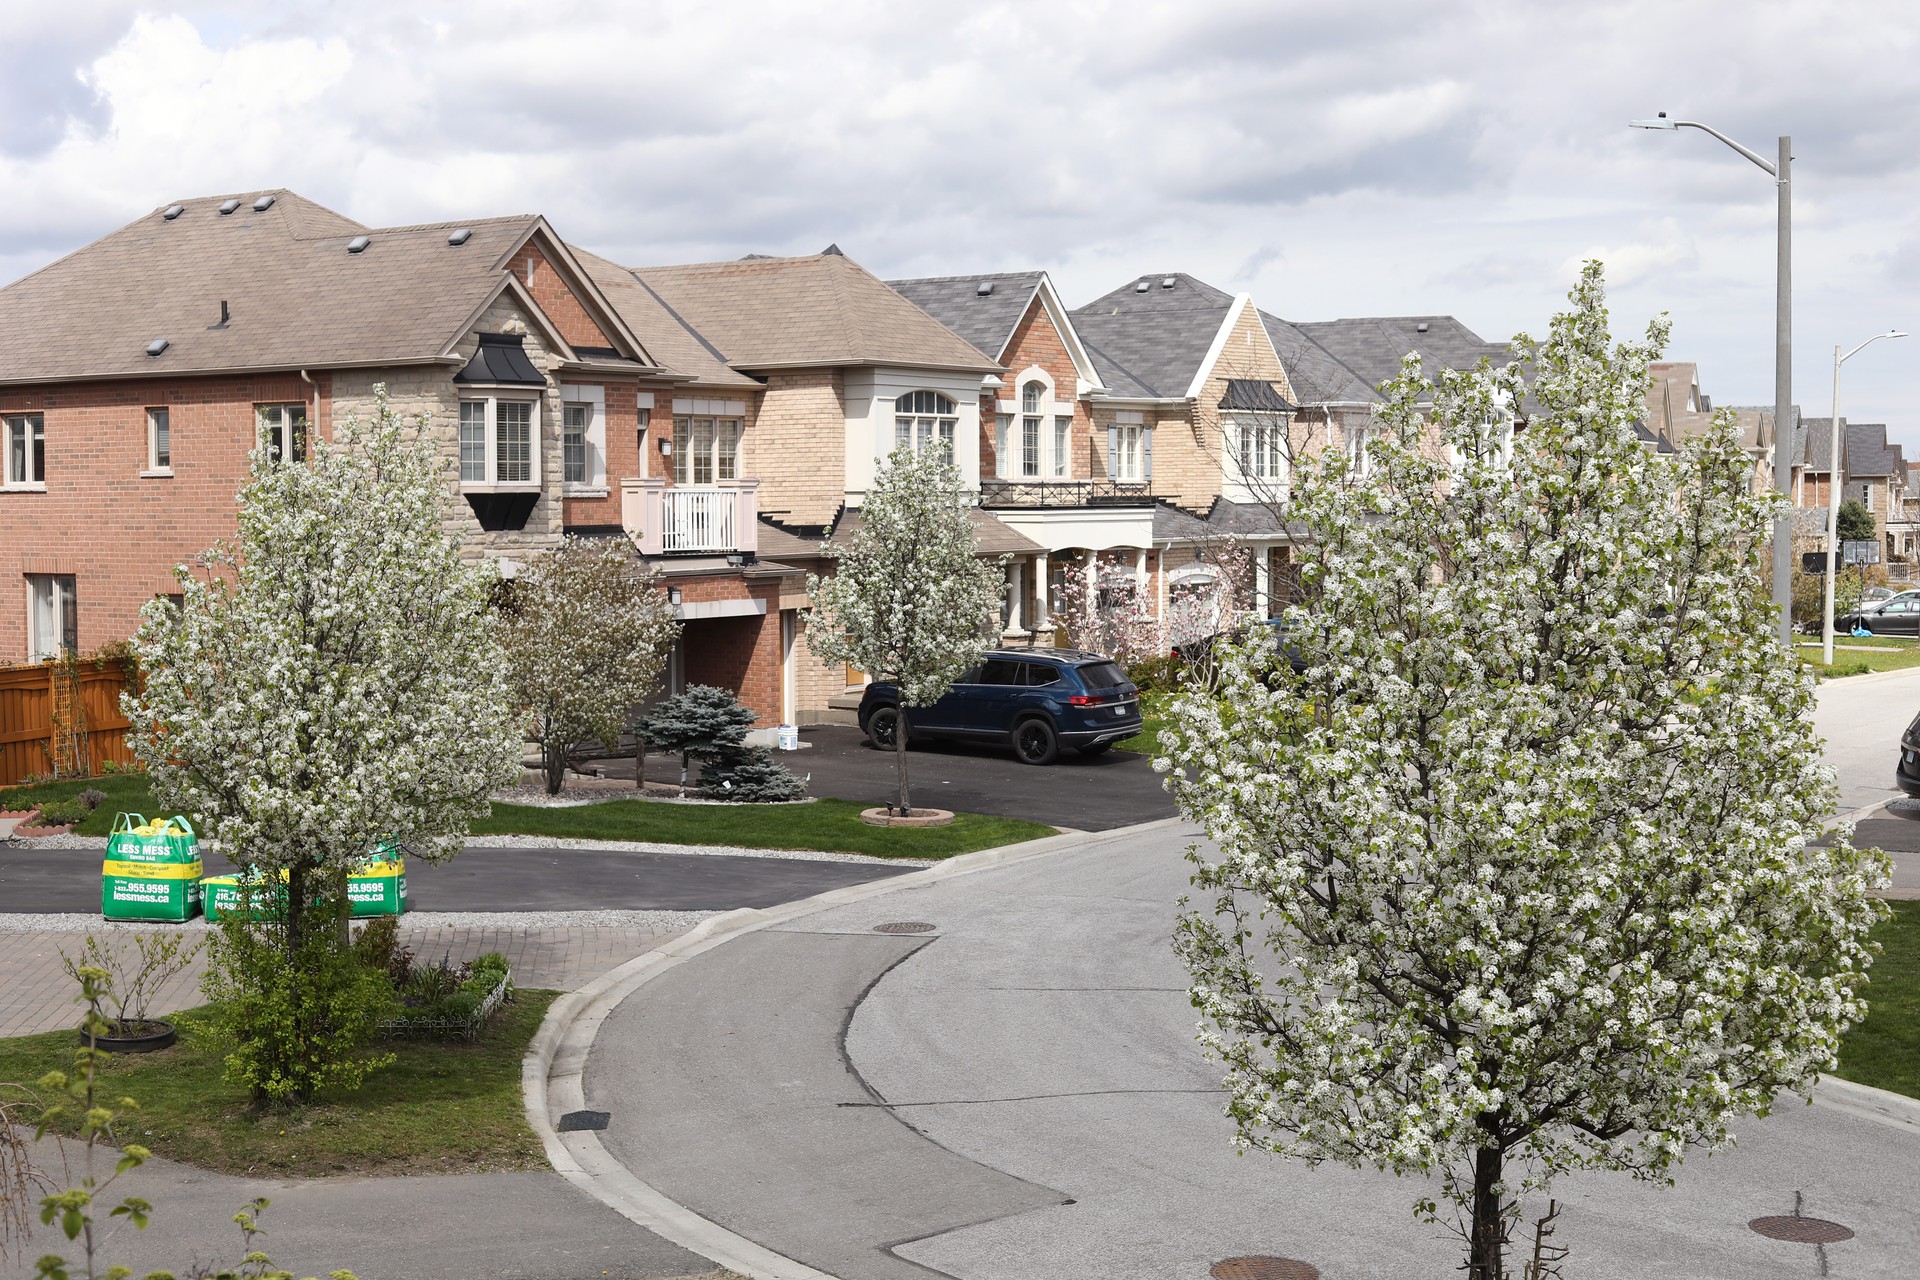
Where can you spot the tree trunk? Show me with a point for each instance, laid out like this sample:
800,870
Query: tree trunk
1484,1260
554,756
900,757
639,763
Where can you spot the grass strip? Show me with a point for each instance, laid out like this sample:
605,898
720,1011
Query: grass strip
446,1106
831,826
1884,1051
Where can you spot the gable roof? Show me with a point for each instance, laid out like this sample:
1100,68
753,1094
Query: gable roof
1372,346
986,321
1153,343
1317,375
297,297
823,309
991,536
1867,455
674,343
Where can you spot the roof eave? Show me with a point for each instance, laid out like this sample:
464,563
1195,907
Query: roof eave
230,370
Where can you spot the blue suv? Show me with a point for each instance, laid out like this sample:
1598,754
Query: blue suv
1036,700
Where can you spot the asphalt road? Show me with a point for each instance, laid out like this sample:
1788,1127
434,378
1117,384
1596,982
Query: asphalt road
1861,718
1086,793
1036,1055
38,881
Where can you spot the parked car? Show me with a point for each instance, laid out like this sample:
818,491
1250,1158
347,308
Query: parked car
1906,774
1875,595
1034,700
1899,616
1200,652
1870,603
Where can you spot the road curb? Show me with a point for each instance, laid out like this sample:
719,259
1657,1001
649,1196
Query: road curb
552,1075
1895,1110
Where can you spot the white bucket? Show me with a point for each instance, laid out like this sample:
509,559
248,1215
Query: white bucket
787,737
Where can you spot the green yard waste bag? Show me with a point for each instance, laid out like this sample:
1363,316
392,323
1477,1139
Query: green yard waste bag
152,870
222,893
377,885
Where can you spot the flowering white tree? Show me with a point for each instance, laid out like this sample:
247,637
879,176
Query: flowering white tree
1100,607
586,633
909,601
331,677
1531,842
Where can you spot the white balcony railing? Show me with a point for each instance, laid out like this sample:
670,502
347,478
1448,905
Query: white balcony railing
691,520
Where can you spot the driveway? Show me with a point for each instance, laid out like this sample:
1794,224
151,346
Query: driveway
1088,793
1016,1094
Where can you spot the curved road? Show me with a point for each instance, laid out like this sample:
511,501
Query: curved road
1017,1095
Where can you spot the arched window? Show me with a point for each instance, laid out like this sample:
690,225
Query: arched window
925,420
1031,395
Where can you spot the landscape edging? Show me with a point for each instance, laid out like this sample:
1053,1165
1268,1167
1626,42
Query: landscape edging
553,1072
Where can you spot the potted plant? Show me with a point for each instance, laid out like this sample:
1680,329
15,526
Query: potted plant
135,975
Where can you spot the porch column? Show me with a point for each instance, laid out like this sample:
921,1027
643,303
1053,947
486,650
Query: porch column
1093,580
1140,574
1040,580
1016,593
1262,580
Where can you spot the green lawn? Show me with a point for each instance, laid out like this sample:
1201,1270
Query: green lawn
831,826
1884,1051
446,1106
1153,718
1858,662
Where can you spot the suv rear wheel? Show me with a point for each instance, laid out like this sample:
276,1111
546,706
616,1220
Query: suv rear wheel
1035,742
882,725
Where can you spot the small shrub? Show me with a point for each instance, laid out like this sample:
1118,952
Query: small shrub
133,975
443,997
92,798
109,767
752,775
63,813
1154,675
377,942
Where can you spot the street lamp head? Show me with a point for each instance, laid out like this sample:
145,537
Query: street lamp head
1658,122
1895,333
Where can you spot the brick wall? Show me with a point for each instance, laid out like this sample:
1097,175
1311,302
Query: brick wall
797,445
1036,342
623,449
118,533
738,653
533,269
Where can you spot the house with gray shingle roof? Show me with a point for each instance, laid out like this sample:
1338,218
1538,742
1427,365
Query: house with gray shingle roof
1872,472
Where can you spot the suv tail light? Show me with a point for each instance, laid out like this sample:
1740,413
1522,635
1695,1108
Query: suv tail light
1083,700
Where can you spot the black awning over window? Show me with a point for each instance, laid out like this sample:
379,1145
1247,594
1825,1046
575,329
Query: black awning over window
1254,394
501,359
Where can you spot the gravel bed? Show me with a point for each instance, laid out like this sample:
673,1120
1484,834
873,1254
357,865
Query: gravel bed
651,921
573,842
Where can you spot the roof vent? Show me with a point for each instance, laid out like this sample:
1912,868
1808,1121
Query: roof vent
358,243
983,289
223,316
1145,286
1167,283
174,211
228,206
263,204
461,236
1421,327
155,347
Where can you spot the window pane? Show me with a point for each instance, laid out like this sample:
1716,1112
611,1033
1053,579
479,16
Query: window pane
573,443
16,451
726,446
946,439
1030,397
702,446
269,418
162,437
296,415
902,431
37,449
1062,448
682,449
513,435
473,441
1030,446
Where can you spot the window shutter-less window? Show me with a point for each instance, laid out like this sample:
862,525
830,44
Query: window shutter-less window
1146,453
1113,452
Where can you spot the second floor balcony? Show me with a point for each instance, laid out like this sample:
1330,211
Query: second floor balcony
688,520
1065,493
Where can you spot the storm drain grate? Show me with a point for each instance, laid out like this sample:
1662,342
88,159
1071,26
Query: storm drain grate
1261,1267
1797,1230
904,926
575,1121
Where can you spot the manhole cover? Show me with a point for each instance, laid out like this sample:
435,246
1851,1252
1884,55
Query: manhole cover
575,1121
1263,1268
1801,1230
904,926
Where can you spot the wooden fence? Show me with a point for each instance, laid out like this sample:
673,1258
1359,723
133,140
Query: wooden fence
64,718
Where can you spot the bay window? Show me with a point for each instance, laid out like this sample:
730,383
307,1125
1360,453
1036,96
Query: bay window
500,441
925,421
1259,450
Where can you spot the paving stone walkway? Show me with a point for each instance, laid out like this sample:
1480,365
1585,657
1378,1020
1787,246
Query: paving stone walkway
37,995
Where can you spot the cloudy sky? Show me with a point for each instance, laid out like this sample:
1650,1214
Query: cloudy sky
1363,157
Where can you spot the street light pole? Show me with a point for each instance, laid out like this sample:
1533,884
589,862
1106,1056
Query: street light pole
1782,173
1834,471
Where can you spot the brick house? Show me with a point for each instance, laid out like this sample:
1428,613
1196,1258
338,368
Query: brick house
1872,472
138,372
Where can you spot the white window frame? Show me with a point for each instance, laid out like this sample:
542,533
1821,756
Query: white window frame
159,423
1062,445
593,400
1259,450
276,420
1036,404
54,594
1130,452
705,438
927,419
23,451
490,443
